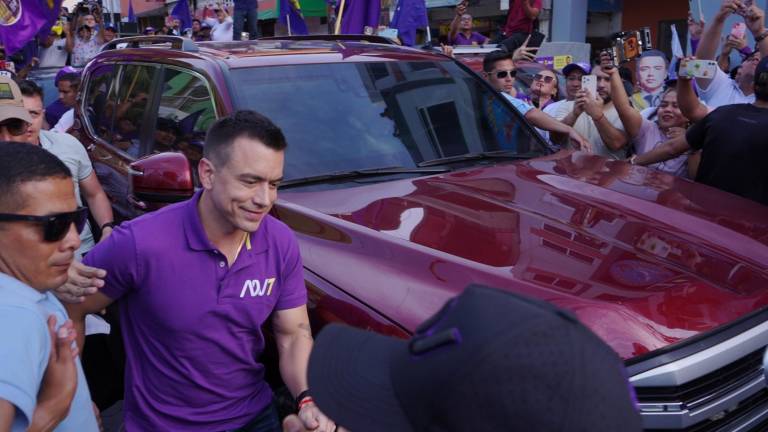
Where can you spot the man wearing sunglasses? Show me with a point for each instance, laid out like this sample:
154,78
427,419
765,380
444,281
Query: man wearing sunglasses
42,386
73,154
499,69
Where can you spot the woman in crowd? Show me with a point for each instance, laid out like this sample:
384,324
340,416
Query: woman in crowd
544,88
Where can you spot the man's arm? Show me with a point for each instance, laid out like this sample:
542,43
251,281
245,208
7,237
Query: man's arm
70,45
755,22
710,37
98,203
460,9
93,303
532,8
668,150
294,343
544,121
7,412
613,138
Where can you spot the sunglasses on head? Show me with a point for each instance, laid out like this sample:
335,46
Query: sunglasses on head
15,126
55,226
504,73
546,78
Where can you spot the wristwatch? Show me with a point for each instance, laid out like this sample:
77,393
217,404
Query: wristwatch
110,224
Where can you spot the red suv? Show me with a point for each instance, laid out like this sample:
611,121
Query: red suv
407,178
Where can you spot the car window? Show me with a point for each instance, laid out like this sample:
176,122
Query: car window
351,116
135,87
185,113
101,100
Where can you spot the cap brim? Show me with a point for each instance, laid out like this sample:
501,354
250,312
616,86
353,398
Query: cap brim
9,112
349,378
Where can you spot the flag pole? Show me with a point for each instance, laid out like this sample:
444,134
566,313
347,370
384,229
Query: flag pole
288,21
339,16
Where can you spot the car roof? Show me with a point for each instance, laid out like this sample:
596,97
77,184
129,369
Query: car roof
274,51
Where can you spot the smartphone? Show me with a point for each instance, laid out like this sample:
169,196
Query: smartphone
739,30
701,69
589,83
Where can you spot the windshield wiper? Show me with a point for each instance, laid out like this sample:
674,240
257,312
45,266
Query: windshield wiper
498,154
368,172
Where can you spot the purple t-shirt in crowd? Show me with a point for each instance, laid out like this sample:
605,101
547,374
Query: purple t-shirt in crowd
191,323
650,137
474,39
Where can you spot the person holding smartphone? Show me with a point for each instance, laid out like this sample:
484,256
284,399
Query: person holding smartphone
461,28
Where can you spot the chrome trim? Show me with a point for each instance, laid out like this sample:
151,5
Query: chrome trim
703,362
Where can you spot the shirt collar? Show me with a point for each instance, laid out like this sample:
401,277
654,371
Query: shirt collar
20,289
198,240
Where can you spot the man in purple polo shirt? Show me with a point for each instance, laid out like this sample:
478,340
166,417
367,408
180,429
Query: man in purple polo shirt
196,281
461,29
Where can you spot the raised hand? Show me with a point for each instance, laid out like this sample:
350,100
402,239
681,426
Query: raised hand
82,281
755,20
727,8
524,52
695,28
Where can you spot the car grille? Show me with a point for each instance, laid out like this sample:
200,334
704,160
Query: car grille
697,394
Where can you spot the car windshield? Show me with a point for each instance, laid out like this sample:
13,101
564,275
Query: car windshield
357,116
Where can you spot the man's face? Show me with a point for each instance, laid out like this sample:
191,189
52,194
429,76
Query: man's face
652,71
465,23
573,84
34,106
89,20
747,70
603,84
109,35
244,189
84,34
501,76
195,26
164,138
67,93
220,15
23,252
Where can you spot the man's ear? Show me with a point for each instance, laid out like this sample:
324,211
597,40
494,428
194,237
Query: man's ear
206,172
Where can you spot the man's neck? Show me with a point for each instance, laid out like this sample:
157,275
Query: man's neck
747,86
761,104
220,232
467,33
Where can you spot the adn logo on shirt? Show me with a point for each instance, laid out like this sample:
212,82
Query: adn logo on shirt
258,288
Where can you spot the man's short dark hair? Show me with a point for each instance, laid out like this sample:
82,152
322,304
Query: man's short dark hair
251,124
493,57
30,88
22,163
196,20
653,53
72,78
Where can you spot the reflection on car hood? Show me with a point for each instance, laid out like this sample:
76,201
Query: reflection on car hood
643,258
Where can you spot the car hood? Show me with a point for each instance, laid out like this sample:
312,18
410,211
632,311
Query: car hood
642,258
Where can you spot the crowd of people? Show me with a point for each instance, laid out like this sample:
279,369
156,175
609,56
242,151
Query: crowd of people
710,129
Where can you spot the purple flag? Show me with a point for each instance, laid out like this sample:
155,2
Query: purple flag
181,11
409,16
358,14
19,25
290,15
131,15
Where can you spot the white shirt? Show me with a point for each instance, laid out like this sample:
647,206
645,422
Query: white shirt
66,121
587,128
55,55
220,31
723,91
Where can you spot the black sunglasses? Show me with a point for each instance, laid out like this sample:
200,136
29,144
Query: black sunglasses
15,126
546,78
503,74
55,226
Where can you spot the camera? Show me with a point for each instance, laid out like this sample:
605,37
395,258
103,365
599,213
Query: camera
628,45
86,7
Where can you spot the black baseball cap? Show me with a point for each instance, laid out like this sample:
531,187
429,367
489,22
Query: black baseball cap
489,360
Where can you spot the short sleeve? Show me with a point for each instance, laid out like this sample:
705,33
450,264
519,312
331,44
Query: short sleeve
117,255
716,85
518,104
645,127
293,292
85,168
698,132
23,360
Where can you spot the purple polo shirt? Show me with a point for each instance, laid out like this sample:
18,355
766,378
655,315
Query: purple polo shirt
191,323
474,39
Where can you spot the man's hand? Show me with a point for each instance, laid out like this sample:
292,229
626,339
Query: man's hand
60,380
606,63
81,281
313,419
734,43
447,50
755,20
461,8
727,8
579,142
525,53
695,28
293,423
592,105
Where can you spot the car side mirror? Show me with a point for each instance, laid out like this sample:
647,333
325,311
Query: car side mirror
160,179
